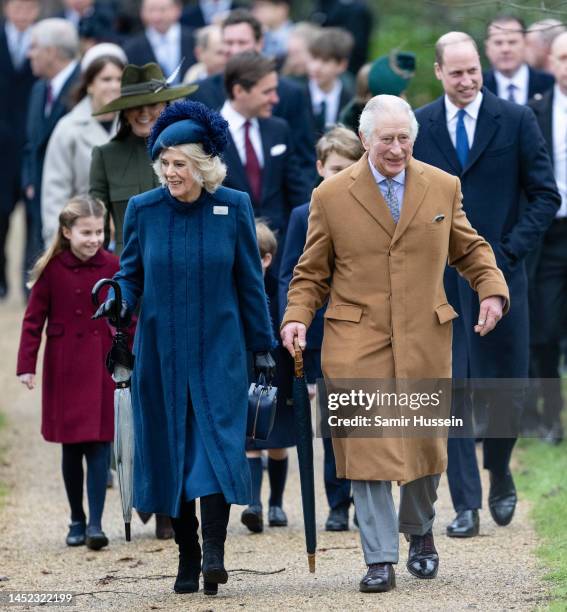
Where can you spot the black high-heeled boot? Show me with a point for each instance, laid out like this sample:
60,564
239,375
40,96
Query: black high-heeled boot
214,521
187,538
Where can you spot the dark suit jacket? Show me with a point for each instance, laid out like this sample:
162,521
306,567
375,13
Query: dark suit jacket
39,129
293,107
140,52
15,86
538,83
508,158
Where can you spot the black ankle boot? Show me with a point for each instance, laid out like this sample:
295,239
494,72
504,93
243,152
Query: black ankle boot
214,520
186,536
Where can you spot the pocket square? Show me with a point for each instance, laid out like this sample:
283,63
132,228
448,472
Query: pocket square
278,150
438,218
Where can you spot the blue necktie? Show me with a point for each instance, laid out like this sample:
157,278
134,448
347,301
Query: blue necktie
462,144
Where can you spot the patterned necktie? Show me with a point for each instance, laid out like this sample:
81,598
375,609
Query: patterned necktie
511,95
392,200
253,170
462,140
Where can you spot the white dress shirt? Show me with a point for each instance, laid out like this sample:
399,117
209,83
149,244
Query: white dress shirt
471,115
58,81
18,43
236,123
559,123
332,100
167,47
398,183
520,81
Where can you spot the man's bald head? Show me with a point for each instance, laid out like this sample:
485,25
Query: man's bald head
452,39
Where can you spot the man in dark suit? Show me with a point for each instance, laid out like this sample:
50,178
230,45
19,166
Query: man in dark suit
497,150
243,32
164,41
16,81
510,77
53,50
260,156
548,269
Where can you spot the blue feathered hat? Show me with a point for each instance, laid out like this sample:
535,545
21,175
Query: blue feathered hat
187,122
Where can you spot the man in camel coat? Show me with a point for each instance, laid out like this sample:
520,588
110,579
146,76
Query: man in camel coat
380,234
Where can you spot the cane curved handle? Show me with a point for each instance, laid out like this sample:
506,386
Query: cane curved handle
104,282
298,359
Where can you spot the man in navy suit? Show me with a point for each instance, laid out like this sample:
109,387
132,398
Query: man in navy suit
243,32
164,41
510,77
260,158
497,150
53,51
548,266
16,81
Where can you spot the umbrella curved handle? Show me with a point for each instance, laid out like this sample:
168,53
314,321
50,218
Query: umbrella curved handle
298,359
103,282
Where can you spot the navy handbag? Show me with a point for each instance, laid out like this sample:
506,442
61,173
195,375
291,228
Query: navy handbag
262,400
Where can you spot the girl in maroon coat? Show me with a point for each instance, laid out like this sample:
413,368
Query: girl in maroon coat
77,396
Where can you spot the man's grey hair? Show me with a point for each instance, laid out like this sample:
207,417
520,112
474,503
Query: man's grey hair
203,35
58,33
547,29
385,105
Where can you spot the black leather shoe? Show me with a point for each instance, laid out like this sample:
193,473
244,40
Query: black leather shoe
379,578
76,535
95,538
277,517
338,519
252,518
423,560
502,498
465,525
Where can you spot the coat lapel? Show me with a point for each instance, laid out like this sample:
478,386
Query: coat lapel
267,144
441,137
235,167
486,126
369,196
415,189
544,112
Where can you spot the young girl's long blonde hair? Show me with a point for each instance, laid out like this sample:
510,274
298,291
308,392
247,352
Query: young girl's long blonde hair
77,207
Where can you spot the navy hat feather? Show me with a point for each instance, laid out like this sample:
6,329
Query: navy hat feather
187,122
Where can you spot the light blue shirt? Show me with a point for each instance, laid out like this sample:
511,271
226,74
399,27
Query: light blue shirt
398,181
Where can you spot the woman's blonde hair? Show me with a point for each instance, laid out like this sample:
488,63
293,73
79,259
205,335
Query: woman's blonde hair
76,208
207,170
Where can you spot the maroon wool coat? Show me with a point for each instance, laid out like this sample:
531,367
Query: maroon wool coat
77,391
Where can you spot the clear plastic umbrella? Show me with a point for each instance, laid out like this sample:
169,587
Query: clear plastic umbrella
120,363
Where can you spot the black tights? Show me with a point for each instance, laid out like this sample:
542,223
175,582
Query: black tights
97,455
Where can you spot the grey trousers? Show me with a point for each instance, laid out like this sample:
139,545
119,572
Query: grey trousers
379,526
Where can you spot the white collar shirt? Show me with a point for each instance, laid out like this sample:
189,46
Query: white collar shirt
18,43
236,127
471,115
559,125
166,47
398,183
519,81
331,98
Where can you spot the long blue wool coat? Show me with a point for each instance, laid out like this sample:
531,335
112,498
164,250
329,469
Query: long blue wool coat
197,269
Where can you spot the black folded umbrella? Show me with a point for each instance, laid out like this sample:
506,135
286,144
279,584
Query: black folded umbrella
120,363
304,434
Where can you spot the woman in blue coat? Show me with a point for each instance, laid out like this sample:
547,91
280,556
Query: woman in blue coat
190,259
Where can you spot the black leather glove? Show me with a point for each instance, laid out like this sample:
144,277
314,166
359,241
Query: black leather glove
264,364
108,309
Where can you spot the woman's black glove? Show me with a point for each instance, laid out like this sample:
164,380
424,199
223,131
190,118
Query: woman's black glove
108,309
264,364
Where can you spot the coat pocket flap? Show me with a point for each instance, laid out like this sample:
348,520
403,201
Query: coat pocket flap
54,329
344,312
446,313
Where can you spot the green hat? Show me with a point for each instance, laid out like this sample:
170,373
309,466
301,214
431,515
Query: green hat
143,85
391,74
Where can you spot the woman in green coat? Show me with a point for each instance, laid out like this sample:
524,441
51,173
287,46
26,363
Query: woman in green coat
122,167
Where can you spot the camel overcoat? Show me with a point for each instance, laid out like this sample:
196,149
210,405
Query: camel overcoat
388,314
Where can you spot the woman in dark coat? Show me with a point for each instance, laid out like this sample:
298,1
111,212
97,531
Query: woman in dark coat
190,256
